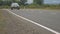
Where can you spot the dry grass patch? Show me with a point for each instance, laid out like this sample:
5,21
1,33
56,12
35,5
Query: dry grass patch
2,23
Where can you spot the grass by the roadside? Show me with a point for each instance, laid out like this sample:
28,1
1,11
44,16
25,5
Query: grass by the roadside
2,23
4,7
34,6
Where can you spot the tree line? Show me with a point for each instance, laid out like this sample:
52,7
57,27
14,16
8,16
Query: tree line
20,2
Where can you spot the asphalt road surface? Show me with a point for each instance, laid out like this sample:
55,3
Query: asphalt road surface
16,25
48,18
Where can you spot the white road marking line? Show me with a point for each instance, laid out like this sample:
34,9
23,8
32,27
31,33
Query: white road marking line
53,31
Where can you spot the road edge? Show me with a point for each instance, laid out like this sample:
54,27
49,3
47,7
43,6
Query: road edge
49,29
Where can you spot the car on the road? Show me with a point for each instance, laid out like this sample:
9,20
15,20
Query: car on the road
15,6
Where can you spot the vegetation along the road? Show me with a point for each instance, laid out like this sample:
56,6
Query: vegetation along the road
36,4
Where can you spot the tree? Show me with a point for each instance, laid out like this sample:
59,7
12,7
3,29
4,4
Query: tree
40,2
1,2
8,2
23,2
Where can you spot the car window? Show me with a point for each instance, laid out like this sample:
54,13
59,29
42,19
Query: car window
15,4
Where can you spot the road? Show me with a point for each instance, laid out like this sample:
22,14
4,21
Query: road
48,18
16,25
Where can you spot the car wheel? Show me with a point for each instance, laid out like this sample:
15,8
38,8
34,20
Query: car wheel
18,8
11,8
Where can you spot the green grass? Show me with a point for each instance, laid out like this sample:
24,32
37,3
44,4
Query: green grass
34,6
4,7
2,23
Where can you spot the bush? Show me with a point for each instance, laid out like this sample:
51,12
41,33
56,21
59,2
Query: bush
33,6
51,6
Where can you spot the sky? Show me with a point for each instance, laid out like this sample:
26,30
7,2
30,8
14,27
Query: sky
51,1
29,1
46,1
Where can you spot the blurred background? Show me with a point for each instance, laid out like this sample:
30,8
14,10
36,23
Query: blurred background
43,4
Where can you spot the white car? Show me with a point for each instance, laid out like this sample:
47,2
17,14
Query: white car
15,6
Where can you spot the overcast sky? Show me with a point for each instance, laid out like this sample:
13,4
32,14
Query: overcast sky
51,1
47,1
29,1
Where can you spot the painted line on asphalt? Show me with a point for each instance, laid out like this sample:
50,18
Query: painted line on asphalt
49,29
